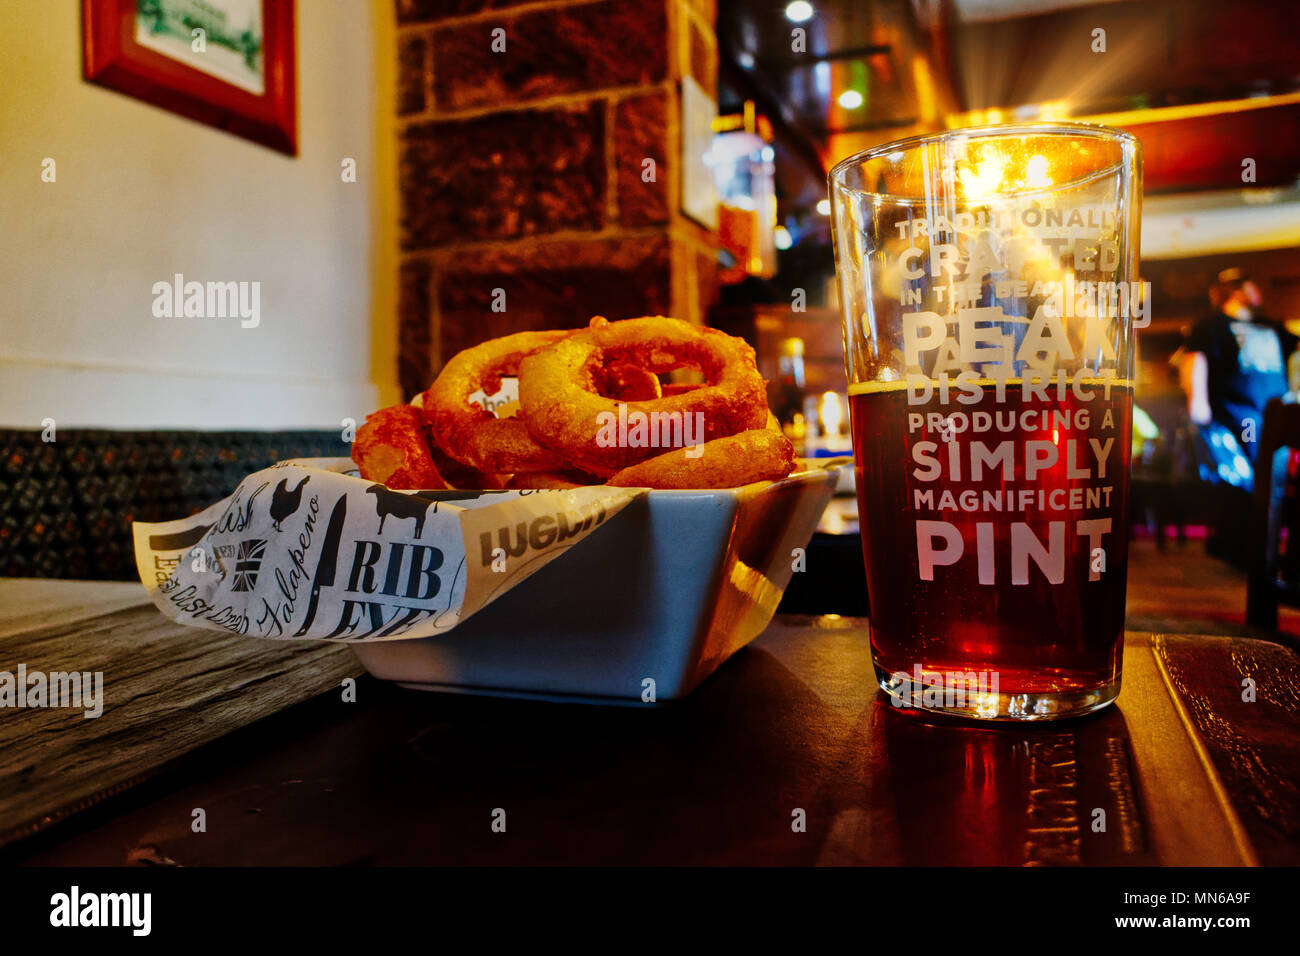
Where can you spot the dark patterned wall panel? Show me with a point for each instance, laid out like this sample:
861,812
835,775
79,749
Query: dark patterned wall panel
66,507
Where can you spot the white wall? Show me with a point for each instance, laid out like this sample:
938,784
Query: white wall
142,193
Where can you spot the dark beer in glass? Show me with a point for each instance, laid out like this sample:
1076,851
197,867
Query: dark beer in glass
989,285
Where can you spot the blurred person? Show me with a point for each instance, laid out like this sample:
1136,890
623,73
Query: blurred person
1234,360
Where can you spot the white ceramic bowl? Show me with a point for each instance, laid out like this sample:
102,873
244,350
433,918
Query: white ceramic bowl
674,585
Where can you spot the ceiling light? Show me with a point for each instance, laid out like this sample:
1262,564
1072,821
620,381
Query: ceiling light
824,207
799,11
850,99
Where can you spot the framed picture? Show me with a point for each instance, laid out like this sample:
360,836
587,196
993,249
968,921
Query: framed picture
227,63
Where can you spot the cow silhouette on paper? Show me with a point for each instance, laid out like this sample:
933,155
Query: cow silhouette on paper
389,502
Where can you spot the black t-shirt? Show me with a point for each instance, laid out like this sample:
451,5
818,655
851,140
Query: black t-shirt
1246,365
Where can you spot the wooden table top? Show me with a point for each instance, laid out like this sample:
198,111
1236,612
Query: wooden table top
167,690
787,755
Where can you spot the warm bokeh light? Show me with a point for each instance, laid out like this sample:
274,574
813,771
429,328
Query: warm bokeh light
824,207
799,11
984,178
831,413
850,99
927,97
1036,172
781,237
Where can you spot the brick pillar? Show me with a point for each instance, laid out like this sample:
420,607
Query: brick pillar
521,171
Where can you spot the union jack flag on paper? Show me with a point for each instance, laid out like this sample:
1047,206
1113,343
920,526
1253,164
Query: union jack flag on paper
248,563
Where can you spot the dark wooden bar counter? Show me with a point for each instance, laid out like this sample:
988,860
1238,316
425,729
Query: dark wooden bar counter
786,756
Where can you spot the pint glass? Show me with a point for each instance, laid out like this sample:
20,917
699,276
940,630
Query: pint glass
989,285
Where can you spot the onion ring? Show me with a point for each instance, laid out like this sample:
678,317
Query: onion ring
562,408
551,479
392,449
759,454
625,381
463,477
472,435
630,383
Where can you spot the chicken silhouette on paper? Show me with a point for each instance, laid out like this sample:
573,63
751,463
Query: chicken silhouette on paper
285,502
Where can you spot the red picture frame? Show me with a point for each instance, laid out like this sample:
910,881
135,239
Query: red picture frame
114,59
